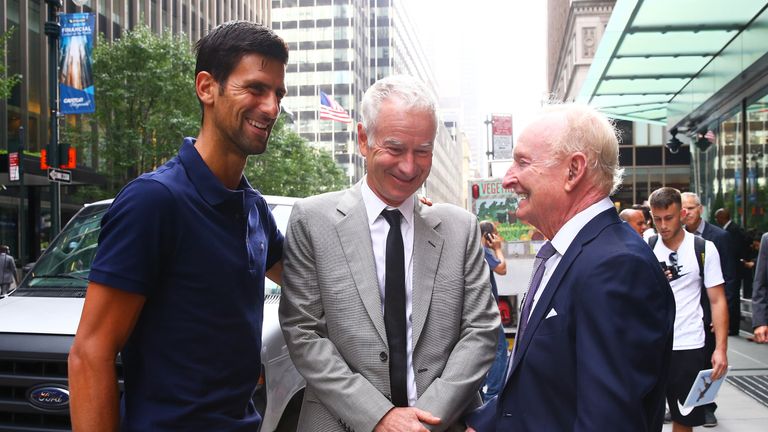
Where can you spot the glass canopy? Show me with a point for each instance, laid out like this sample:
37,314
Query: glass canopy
653,49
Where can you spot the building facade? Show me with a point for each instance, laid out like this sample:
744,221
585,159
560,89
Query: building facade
575,29
27,55
341,47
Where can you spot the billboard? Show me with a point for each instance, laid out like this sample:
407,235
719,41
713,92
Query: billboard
75,64
502,136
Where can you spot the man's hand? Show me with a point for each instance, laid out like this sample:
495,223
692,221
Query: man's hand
406,420
719,364
761,334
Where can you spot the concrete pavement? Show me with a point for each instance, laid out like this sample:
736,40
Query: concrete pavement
738,412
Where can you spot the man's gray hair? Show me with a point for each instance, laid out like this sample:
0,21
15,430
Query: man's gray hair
695,197
592,133
412,93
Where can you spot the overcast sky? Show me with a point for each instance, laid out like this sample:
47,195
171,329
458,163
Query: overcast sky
502,45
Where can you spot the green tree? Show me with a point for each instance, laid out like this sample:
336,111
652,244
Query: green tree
145,100
292,167
7,82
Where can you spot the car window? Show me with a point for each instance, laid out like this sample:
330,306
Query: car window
281,212
64,267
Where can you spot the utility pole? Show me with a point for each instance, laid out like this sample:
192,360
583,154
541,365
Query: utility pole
488,145
53,31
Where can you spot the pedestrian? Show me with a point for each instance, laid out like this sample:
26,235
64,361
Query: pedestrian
635,219
741,248
594,338
177,285
695,224
386,306
497,263
760,294
689,275
8,272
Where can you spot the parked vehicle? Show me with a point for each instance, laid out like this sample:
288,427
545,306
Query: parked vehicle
39,319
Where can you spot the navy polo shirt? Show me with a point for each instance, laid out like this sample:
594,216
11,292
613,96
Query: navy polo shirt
198,252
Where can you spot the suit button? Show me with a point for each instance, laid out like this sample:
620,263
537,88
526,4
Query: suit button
383,356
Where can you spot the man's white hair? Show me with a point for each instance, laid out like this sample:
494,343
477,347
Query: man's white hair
695,197
411,93
592,133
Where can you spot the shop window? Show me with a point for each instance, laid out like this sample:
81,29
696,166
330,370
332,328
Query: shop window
757,164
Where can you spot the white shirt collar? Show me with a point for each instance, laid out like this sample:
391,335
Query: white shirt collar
727,223
570,230
700,229
374,205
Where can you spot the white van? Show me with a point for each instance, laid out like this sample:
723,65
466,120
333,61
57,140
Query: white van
39,319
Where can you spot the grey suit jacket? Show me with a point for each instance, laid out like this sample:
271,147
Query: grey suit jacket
8,269
332,319
760,286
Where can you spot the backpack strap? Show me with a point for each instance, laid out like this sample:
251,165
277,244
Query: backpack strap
652,240
699,246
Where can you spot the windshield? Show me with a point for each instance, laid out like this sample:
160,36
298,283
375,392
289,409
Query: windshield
281,212
65,265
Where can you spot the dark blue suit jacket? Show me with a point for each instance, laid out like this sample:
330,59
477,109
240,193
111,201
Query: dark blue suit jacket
602,361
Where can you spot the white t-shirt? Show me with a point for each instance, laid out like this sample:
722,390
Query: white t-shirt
689,330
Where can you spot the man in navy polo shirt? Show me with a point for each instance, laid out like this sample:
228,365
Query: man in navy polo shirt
177,286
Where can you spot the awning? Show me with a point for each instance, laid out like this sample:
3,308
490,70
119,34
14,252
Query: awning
652,50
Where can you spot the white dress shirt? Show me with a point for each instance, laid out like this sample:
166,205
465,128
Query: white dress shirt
565,237
379,230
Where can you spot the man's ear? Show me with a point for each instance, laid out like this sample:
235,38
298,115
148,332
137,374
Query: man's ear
206,86
362,140
577,169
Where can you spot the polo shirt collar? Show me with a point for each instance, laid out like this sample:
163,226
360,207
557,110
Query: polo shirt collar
207,184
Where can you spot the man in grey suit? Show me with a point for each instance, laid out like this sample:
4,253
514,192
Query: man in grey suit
7,271
760,294
393,329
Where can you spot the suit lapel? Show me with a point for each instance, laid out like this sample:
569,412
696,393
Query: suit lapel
427,247
355,238
587,234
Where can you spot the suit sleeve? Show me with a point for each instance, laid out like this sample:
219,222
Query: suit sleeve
760,286
345,393
450,394
624,315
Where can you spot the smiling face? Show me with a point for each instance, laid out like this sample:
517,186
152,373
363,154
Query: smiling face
244,108
539,182
400,156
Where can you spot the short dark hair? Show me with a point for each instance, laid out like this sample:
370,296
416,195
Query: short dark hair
219,52
487,227
664,197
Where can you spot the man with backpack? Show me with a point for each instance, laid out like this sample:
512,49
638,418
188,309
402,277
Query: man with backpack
691,263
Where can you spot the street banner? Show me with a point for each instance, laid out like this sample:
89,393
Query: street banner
502,136
75,63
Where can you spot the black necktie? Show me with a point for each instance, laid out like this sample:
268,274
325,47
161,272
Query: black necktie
394,309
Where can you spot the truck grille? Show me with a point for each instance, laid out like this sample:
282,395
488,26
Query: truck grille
17,377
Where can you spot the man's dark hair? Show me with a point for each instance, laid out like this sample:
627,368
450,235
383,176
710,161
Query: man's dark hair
646,212
219,52
665,197
486,227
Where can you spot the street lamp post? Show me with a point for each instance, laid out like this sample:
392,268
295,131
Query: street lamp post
53,31
489,146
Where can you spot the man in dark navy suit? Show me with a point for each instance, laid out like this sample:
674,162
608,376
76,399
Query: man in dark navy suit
595,334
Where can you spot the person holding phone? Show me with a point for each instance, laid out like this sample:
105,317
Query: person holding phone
494,256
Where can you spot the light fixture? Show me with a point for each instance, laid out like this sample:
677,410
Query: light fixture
674,144
704,141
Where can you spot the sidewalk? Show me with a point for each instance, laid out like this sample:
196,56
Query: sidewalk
738,412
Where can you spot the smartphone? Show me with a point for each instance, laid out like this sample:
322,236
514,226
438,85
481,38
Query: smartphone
489,237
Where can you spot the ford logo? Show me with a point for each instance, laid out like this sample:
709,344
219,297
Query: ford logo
49,397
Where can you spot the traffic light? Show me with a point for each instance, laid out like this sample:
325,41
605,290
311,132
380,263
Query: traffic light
67,157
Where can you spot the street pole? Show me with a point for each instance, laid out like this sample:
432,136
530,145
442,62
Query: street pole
22,203
53,30
488,145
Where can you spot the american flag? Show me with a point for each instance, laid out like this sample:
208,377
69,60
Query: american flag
710,136
331,110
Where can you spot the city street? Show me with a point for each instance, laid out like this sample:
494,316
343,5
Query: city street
737,411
